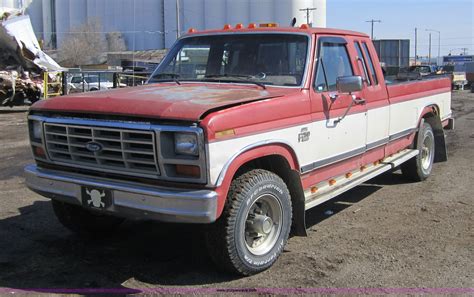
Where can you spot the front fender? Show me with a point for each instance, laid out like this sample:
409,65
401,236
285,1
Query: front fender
246,155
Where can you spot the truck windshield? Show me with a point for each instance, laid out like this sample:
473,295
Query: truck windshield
270,59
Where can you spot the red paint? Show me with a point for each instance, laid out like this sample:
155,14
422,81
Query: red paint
273,149
399,144
189,101
252,28
261,116
325,173
409,91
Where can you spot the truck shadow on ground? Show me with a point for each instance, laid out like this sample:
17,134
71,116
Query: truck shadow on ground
38,253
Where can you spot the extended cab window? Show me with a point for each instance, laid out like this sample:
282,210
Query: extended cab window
333,62
363,62
272,59
371,64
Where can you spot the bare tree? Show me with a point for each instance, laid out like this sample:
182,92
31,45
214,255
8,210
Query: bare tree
83,44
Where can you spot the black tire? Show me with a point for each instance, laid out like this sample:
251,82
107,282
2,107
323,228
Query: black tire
420,167
256,200
83,222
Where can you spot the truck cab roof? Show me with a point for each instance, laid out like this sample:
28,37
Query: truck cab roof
251,29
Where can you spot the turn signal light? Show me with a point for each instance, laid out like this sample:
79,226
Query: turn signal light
225,133
39,152
188,171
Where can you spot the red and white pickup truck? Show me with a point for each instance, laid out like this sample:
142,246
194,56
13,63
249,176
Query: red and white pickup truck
243,129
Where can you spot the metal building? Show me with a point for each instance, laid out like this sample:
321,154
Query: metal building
151,24
393,52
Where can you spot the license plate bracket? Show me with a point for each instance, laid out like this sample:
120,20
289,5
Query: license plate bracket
96,198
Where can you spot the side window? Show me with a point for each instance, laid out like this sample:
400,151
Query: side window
362,62
371,64
333,62
76,80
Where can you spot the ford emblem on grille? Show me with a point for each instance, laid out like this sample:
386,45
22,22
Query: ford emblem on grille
94,146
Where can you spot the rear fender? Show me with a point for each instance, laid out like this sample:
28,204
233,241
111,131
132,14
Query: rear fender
431,116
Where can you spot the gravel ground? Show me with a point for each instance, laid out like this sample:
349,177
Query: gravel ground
384,234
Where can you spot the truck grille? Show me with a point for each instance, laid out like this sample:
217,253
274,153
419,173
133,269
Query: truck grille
120,151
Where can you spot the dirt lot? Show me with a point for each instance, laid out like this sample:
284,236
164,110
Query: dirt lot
386,233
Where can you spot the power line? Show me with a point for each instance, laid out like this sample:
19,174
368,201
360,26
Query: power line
308,9
373,22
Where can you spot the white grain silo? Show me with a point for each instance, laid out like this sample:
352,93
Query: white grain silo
61,17
261,11
238,11
214,13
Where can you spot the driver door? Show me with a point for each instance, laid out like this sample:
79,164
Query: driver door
340,130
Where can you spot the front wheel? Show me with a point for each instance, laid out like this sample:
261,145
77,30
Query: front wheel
254,228
420,167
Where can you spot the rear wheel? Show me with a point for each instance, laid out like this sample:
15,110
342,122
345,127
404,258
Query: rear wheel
83,222
420,167
254,228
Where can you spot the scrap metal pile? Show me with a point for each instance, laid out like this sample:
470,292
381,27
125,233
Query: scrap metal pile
22,62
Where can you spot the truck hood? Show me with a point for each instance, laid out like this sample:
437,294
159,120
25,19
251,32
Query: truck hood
167,101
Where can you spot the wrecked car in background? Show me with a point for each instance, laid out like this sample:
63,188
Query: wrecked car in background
22,62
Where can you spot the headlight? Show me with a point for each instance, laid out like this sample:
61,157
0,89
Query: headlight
36,131
186,144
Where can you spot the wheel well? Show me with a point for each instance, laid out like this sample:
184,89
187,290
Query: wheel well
280,166
433,118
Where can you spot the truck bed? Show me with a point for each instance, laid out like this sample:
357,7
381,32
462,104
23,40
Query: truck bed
429,85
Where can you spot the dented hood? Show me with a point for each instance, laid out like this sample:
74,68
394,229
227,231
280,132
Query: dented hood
188,101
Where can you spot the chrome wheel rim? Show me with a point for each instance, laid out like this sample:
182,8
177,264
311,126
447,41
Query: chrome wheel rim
263,224
427,152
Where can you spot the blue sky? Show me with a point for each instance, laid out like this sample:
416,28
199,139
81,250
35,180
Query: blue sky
454,18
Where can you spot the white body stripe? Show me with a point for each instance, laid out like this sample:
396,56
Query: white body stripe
328,141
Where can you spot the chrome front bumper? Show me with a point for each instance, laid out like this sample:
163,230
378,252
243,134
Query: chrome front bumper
132,200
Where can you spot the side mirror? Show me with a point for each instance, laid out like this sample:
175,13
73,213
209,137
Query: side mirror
349,84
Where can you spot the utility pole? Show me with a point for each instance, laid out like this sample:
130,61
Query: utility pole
178,20
416,45
308,9
373,22
438,62
429,55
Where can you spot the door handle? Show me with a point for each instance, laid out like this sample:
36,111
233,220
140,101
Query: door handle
355,101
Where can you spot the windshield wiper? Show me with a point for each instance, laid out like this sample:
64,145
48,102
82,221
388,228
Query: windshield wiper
242,78
174,77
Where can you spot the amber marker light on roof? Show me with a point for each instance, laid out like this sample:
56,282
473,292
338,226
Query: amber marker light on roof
304,26
192,30
252,26
239,26
268,25
227,27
